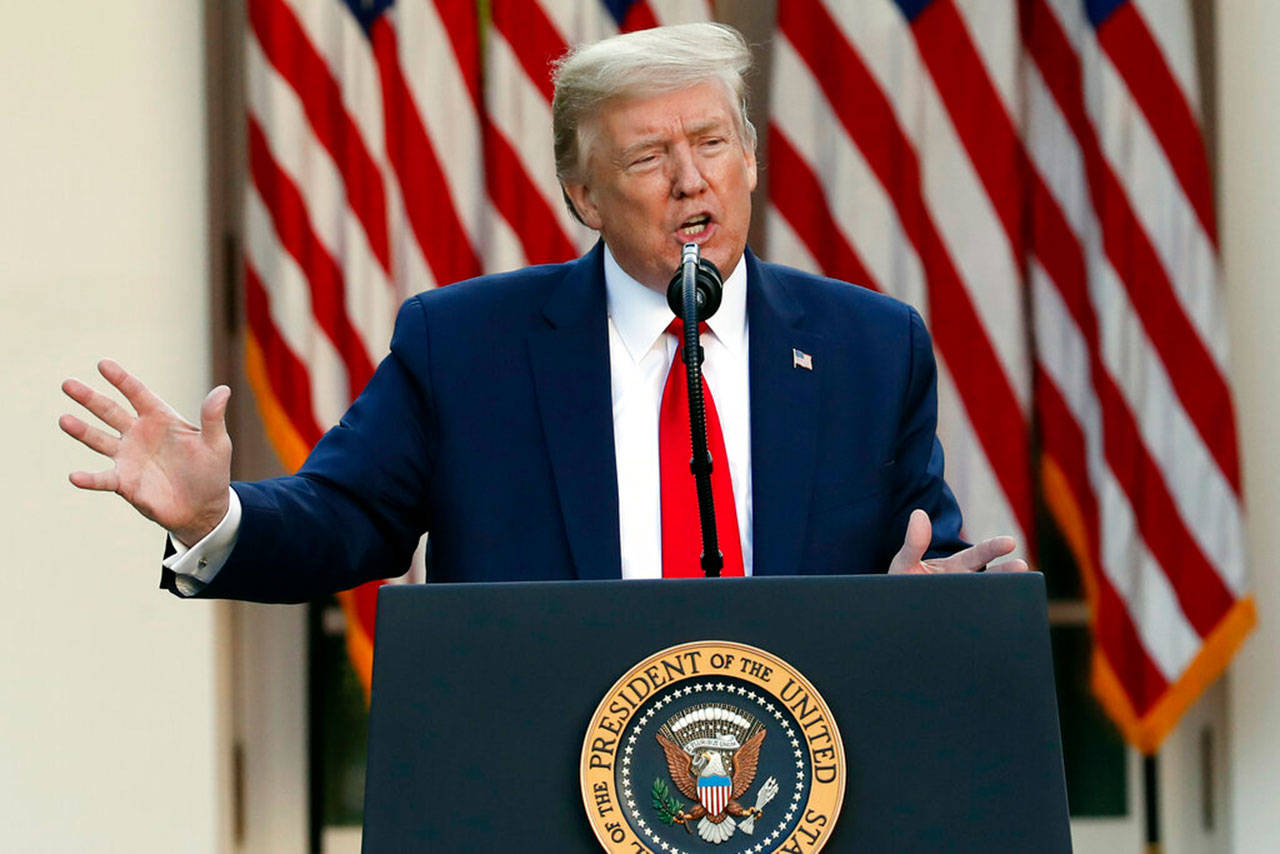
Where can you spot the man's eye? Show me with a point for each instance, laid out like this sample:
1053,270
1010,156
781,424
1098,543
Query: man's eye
645,160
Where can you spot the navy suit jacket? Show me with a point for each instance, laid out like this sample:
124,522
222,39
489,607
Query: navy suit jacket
490,425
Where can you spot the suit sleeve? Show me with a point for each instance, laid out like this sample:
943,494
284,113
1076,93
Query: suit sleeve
355,510
919,457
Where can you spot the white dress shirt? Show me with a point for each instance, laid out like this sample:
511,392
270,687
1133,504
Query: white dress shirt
640,355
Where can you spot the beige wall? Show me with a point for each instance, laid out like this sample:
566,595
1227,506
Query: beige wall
110,731
1249,186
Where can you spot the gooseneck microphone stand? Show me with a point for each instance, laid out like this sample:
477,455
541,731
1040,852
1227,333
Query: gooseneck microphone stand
694,295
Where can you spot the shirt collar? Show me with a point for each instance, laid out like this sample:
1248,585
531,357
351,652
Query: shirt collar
641,314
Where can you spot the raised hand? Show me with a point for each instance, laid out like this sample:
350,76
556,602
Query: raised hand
910,558
175,473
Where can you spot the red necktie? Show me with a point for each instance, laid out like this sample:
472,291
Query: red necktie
681,533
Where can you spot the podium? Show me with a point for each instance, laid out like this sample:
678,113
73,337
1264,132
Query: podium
941,688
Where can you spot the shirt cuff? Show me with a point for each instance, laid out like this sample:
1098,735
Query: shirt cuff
196,566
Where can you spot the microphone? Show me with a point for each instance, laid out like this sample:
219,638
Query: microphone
708,283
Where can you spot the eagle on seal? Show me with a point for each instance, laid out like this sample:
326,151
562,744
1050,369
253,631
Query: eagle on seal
690,764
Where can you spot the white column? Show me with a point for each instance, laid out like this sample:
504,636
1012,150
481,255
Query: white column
112,731
1249,190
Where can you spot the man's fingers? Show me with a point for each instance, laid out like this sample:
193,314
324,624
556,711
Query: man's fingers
213,414
111,413
131,387
977,556
104,481
1016,565
99,440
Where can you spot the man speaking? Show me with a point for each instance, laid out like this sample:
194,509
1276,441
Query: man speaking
532,422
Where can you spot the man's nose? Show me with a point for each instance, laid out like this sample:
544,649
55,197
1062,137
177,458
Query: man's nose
687,178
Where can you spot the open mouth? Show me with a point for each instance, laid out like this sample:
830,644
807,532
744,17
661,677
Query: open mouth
695,225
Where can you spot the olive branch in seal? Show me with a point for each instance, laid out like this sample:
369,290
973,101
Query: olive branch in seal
667,806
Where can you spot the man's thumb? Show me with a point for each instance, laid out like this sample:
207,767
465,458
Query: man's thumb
213,413
914,544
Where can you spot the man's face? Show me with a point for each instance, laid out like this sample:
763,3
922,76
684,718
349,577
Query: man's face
667,170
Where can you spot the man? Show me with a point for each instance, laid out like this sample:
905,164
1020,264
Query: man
516,418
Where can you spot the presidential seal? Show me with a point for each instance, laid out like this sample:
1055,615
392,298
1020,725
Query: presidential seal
712,746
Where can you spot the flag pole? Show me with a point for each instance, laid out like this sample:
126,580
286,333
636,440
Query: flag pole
1151,796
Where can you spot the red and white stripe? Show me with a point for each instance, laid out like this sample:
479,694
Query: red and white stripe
1009,169
363,188
851,98
379,168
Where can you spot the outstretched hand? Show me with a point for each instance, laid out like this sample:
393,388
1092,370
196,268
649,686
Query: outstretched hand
910,558
175,473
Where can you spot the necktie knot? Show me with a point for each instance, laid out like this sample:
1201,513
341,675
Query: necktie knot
676,328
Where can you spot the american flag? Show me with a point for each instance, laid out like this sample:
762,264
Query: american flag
379,167
1031,175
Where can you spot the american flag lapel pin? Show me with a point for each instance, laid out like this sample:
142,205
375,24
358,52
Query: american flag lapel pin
801,359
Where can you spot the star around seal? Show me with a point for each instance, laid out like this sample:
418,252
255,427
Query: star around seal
712,746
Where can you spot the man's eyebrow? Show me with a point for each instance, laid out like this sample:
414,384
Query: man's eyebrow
708,125
655,140
641,145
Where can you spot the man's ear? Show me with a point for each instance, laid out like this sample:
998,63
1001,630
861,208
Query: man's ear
579,198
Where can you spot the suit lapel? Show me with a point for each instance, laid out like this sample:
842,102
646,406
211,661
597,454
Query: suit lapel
570,359
784,421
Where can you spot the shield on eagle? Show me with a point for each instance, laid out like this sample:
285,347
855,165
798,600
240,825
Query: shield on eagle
714,792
